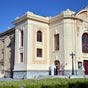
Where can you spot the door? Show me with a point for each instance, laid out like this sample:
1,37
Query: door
85,67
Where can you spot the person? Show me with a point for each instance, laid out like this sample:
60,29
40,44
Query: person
53,67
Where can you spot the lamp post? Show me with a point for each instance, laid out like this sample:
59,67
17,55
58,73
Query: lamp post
72,55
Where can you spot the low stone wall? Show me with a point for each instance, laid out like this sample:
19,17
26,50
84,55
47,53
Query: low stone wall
29,74
69,72
19,74
37,74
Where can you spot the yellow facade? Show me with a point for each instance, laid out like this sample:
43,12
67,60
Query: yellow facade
69,26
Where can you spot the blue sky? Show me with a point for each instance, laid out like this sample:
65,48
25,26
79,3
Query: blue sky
10,9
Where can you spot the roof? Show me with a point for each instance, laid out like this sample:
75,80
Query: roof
9,31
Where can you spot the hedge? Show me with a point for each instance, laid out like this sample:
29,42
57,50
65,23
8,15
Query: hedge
46,83
78,83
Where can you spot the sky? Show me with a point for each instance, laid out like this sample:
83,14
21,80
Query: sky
10,9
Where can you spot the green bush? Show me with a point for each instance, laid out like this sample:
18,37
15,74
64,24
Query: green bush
47,83
78,83
55,83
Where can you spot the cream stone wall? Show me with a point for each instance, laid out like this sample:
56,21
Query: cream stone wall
81,27
34,63
70,31
68,25
82,56
31,62
56,28
20,49
69,42
66,30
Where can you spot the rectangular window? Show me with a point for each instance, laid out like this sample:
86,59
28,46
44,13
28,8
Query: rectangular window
21,38
56,38
39,52
21,57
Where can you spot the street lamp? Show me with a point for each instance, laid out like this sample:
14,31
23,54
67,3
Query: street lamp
72,55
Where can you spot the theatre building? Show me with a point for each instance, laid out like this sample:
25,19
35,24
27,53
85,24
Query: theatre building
41,46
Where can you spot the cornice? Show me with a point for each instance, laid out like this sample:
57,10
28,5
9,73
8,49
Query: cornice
31,16
48,20
62,17
56,18
82,11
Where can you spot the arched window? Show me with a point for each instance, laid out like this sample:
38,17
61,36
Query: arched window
85,43
39,36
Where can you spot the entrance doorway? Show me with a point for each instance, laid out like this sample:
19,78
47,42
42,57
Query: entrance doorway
85,64
57,64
